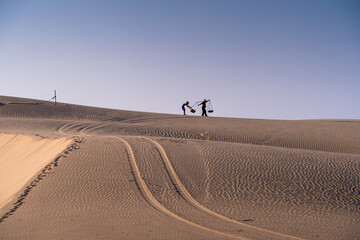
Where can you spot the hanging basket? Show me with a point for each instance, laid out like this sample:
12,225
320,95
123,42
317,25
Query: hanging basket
192,110
211,109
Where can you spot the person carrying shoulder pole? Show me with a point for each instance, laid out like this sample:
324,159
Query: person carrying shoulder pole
203,107
183,106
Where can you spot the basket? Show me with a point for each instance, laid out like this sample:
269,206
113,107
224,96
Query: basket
211,111
192,110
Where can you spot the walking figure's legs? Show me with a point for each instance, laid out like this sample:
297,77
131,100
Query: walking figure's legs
204,112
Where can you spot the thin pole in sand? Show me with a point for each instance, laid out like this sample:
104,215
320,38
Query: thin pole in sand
55,96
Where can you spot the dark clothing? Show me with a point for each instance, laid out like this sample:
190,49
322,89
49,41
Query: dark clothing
203,107
204,112
183,107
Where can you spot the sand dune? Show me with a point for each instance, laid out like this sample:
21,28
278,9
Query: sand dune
141,175
21,158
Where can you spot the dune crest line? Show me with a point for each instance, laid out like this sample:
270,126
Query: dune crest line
36,179
181,188
151,199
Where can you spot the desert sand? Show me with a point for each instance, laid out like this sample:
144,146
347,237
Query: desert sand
78,172
21,157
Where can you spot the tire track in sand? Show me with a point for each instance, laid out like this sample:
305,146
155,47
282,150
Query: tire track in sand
67,126
151,199
187,196
79,127
178,185
84,128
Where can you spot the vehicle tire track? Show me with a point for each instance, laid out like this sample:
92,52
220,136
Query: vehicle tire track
178,186
151,199
65,128
83,128
187,196
93,127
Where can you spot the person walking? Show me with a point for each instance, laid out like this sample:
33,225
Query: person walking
203,107
187,105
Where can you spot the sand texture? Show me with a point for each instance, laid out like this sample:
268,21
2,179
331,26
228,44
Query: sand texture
110,174
21,158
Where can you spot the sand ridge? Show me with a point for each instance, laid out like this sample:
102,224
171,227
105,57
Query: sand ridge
21,158
24,158
340,136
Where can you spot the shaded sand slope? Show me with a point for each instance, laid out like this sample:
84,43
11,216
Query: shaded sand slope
21,158
157,176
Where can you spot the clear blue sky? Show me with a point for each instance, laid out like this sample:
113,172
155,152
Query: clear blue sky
278,59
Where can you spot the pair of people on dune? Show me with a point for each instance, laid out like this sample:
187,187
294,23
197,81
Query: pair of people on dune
203,107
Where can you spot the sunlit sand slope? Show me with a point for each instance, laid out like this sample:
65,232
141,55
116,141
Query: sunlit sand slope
21,157
157,176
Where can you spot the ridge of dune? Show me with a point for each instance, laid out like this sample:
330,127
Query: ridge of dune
341,136
21,158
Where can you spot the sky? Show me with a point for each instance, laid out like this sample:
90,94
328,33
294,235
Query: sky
278,59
